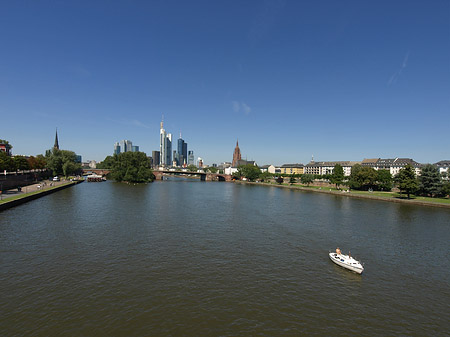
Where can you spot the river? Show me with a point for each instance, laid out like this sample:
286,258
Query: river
190,258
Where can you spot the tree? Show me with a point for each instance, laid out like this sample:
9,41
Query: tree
445,190
292,180
249,171
407,181
6,162
265,176
133,167
107,163
21,163
279,180
307,179
430,183
384,180
338,175
192,168
62,162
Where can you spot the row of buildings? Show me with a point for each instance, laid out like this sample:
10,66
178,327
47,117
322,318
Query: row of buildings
393,165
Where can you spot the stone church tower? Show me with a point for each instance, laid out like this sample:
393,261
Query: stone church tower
236,155
56,146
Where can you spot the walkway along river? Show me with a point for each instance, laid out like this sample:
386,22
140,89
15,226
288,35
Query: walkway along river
182,257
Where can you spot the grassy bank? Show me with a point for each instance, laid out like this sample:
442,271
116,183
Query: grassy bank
385,196
35,194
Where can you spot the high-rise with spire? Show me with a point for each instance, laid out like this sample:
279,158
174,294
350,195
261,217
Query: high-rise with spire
236,154
56,146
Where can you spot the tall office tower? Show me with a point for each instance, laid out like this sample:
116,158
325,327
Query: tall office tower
180,151
184,152
135,148
129,146
190,158
126,146
174,158
156,159
169,149
116,148
236,154
162,145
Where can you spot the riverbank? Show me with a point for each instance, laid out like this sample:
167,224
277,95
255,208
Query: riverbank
382,196
33,192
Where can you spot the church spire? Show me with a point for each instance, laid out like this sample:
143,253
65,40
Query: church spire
56,146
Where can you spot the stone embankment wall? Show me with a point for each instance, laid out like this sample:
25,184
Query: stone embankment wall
13,180
30,197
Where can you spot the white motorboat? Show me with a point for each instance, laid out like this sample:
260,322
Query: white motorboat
346,261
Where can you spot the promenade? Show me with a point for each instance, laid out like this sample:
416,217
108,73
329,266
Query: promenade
37,187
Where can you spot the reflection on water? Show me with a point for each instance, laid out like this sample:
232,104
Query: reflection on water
184,257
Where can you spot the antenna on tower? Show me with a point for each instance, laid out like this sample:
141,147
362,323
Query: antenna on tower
312,158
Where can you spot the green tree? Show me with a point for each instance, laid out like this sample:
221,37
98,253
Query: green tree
384,179
212,169
265,176
6,162
430,183
307,179
133,167
249,171
21,163
337,177
192,168
445,190
62,162
107,163
407,181
292,180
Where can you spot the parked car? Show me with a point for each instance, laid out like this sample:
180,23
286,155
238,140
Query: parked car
56,178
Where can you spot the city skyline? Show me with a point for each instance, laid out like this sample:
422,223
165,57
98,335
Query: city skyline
290,80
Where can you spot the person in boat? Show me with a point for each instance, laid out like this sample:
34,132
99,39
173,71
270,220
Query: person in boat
338,251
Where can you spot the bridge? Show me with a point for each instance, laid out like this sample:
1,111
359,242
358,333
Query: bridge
203,176
100,172
160,174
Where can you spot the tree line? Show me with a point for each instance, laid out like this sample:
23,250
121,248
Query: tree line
429,183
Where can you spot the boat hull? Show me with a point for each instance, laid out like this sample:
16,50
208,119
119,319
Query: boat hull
345,262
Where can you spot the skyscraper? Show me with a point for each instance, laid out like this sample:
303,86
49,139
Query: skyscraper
236,154
190,160
156,159
126,146
116,148
162,144
169,149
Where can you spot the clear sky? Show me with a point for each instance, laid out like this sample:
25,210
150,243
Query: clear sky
340,80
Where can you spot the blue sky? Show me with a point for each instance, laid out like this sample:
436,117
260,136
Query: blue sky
340,80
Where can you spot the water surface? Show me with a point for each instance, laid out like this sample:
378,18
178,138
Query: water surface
185,257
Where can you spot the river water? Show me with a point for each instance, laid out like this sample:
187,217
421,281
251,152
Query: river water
190,258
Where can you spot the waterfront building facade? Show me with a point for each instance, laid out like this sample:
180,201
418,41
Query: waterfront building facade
291,169
443,166
393,165
267,168
327,167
